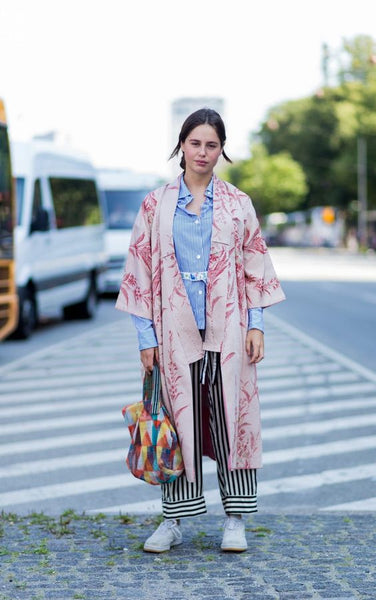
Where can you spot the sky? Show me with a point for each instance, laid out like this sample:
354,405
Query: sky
104,73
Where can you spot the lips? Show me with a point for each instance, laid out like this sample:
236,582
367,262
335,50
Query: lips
202,163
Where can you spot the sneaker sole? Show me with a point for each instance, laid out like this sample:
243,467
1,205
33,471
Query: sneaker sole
234,549
160,550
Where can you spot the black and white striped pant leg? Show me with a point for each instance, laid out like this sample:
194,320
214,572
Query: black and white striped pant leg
238,488
182,498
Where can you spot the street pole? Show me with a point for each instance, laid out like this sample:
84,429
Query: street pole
362,192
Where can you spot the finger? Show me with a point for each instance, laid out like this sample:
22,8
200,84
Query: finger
256,353
156,356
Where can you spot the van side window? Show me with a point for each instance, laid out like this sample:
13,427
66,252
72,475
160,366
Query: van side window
39,216
37,200
75,201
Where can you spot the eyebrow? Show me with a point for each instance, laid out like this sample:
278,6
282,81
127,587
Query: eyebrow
209,142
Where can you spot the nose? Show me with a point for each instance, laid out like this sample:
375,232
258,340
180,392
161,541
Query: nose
202,151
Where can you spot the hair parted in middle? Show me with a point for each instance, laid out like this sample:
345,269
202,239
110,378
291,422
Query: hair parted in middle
203,116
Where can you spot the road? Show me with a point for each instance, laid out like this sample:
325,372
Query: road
63,443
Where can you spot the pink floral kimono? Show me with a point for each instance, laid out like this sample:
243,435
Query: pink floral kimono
240,276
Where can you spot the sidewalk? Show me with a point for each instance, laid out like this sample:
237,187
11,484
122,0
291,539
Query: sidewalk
290,557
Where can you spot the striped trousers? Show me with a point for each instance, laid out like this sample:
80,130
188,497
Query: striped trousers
238,488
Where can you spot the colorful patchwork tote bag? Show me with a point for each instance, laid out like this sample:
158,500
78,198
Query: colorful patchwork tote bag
154,454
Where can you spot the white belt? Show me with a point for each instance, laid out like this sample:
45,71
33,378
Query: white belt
199,276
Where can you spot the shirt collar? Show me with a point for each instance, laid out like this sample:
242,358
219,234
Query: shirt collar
185,193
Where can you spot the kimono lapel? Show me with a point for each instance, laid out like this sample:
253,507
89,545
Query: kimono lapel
179,304
218,271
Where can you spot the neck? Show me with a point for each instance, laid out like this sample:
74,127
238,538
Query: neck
196,181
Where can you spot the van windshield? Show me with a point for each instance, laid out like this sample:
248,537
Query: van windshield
122,207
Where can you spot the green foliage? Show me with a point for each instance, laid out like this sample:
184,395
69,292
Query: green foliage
275,182
321,132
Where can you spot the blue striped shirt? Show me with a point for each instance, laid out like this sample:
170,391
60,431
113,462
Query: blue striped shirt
192,241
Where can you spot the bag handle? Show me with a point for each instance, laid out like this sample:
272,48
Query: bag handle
155,398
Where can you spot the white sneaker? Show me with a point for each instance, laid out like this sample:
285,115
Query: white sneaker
166,535
234,535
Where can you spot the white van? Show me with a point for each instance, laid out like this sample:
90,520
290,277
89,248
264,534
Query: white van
59,236
122,192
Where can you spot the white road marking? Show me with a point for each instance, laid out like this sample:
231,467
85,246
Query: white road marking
269,433
65,441
72,461
68,392
322,348
368,504
53,383
266,488
322,380
115,403
59,346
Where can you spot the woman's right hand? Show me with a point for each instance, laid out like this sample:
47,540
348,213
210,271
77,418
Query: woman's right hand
149,357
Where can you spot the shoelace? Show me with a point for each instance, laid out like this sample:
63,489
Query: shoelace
233,523
168,524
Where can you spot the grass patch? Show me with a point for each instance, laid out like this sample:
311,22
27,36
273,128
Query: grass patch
125,519
200,542
260,531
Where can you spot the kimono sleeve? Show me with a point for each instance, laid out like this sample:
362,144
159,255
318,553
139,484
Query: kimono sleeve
261,283
135,295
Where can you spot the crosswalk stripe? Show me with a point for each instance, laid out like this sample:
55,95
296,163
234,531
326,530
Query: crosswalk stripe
308,380
303,394
266,488
368,504
318,428
83,383
53,382
39,373
67,392
282,432
117,400
59,346
65,441
321,348
273,457
115,403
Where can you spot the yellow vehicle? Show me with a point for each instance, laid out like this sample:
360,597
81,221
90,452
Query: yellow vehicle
8,296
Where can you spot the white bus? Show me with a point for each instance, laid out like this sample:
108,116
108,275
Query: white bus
59,235
122,192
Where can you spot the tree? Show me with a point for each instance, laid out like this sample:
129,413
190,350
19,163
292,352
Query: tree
274,182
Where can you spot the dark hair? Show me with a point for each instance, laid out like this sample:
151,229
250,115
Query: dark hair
201,117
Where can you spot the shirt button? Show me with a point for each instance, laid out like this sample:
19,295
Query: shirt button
198,256
197,221
200,292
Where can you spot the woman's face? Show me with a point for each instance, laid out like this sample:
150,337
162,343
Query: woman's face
202,148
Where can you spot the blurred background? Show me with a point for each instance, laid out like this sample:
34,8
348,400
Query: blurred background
93,95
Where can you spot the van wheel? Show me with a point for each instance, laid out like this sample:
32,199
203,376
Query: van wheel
27,314
86,309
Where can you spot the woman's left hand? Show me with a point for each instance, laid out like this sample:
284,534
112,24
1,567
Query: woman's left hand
254,345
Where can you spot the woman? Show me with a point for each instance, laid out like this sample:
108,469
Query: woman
197,277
